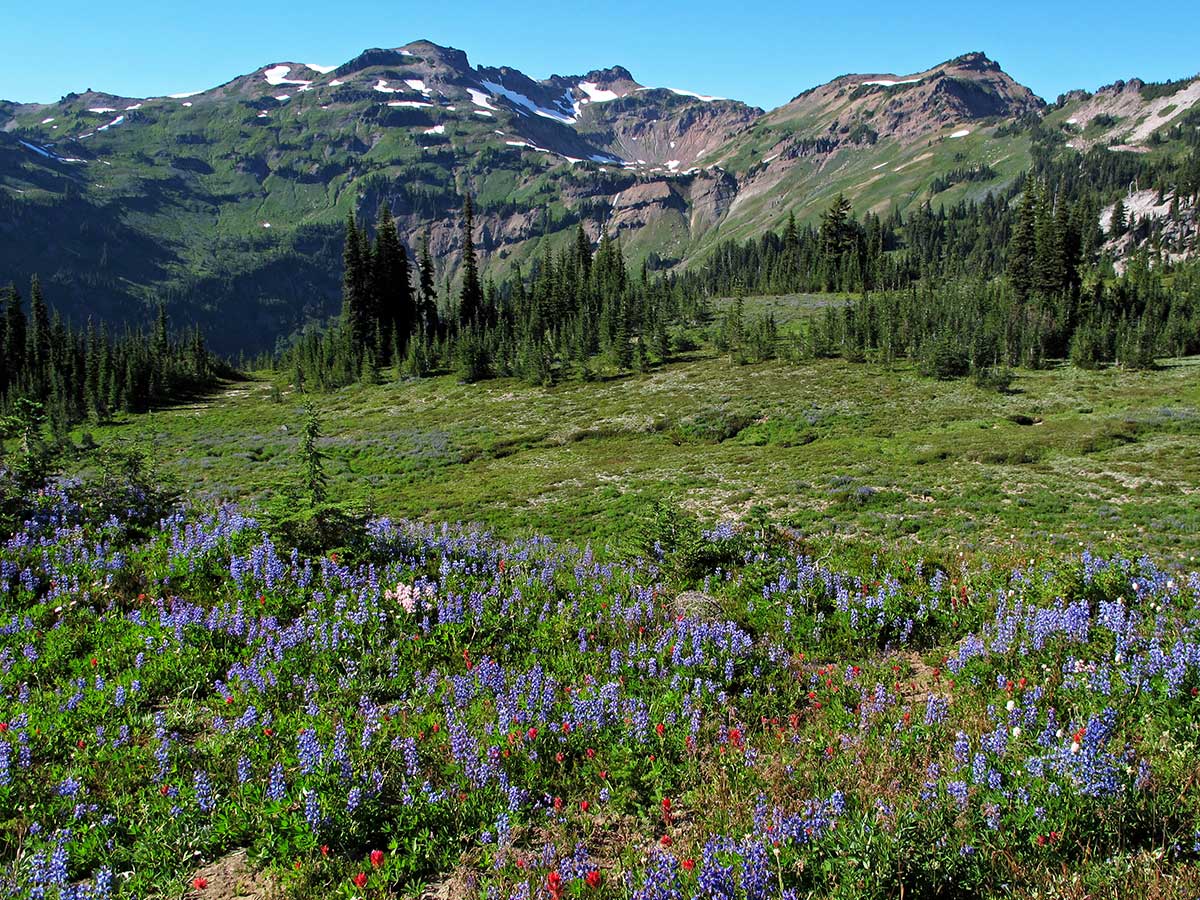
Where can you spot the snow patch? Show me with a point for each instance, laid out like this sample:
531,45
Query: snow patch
961,133
705,97
184,95
1072,121
188,103
277,75
336,82
41,151
283,98
101,109
417,85
480,99
484,112
323,70
673,164
382,87
411,104
523,101
131,108
48,121
888,82
117,121
597,94
436,129
771,158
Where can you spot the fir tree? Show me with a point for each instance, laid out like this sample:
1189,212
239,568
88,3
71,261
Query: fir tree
470,304
312,458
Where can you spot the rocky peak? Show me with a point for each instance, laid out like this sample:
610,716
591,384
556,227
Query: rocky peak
974,61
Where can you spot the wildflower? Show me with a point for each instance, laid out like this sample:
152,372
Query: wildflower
665,840
360,880
199,882
689,864
554,884
592,879
376,858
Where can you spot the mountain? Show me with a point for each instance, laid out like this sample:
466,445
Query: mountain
228,203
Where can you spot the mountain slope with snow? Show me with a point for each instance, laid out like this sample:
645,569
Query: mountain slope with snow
229,202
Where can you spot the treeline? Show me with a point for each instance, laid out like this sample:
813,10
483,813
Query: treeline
575,311
76,375
984,328
1046,304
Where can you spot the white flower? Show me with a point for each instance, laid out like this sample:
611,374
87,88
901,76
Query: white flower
1016,732
1074,746
1058,734
1010,705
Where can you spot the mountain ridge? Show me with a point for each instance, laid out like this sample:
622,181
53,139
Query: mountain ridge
223,181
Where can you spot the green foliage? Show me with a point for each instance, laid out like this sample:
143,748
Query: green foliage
312,458
674,537
945,358
128,484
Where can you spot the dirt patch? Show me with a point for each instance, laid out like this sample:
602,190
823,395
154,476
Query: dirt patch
233,878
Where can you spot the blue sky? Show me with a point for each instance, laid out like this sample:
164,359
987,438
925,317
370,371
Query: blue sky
763,52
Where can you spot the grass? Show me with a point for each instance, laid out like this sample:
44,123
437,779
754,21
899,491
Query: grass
839,451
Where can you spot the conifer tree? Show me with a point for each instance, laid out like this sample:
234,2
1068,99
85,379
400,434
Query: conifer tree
428,289
392,291
312,458
1023,246
356,321
470,305
1118,224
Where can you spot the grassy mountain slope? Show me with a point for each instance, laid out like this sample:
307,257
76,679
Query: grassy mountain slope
228,203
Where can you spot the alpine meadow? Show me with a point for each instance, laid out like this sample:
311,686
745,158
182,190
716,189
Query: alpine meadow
423,480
